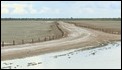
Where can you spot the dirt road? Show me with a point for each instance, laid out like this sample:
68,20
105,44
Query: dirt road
76,37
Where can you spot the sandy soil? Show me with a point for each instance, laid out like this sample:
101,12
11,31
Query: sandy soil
76,37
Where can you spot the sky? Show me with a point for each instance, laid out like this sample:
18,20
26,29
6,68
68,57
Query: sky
60,9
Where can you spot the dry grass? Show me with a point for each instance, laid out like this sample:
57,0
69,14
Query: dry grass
109,26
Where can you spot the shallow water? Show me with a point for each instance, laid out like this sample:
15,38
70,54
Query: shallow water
104,57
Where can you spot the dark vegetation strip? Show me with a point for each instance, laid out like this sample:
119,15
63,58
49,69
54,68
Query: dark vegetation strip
62,33
63,19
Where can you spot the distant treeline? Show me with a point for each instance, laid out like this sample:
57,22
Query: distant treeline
61,19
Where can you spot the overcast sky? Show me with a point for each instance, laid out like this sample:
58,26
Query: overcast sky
60,9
